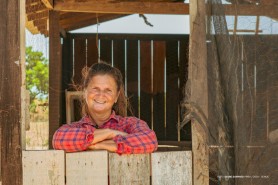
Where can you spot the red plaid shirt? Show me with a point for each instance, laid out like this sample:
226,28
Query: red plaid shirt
78,136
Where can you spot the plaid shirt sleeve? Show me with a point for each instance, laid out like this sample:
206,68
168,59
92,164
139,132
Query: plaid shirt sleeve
140,138
73,137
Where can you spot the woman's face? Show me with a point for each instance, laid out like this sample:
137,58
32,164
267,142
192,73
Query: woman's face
101,94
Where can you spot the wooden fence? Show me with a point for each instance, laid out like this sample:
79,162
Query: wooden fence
55,167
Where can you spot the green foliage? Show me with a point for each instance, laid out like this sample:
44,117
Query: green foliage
36,76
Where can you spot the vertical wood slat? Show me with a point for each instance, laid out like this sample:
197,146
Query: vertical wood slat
43,167
172,95
185,132
24,95
119,56
145,82
55,72
11,81
79,58
159,54
86,168
129,169
67,72
106,50
173,168
132,74
92,51
246,110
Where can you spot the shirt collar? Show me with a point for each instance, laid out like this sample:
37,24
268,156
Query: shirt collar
86,119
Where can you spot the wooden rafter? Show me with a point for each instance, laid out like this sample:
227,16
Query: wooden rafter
141,7
70,21
48,3
40,21
36,16
122,7
35,7
252,10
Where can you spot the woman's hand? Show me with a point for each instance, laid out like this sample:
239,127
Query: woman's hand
108,145
106,134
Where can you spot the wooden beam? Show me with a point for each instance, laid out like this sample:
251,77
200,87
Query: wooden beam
36,16
122,7
55,71
42,21
10,93
42,27
32,2
35,8
48,3
79,20
198,91
141,7
252,10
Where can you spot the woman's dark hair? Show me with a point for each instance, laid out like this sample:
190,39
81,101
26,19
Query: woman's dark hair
102,68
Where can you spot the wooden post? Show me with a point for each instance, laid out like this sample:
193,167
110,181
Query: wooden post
24,94
199,89
10,93
55,71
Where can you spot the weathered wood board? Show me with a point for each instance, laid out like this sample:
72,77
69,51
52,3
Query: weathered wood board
173,168
43,167
129,169
87,168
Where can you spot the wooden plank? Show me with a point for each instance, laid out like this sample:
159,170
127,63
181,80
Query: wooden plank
67,72
106,50
251,9
79,58
10,93
123,7
43,167
40,22
141,37
74,20
132,74
92,51
145,82
171,168
70,97
35,8
159,111
199,90
87,168
24,96
129,169
172,89
48,3
119,55
55,74
36,16
185,132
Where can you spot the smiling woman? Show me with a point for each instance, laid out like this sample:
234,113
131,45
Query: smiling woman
105,125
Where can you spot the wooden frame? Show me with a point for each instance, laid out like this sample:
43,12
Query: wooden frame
70,97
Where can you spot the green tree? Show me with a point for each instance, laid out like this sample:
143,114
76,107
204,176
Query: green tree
36,76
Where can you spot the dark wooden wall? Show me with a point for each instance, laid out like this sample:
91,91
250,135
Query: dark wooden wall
154,68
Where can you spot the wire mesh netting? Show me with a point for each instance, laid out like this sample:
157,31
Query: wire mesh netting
243,88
